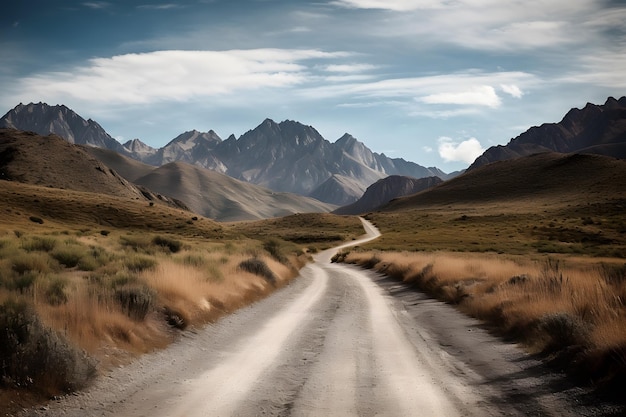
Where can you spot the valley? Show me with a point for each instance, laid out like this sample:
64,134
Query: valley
133,275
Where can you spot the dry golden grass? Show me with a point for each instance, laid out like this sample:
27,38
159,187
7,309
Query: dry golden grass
115,278
569,307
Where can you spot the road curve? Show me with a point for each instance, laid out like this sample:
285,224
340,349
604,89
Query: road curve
333,343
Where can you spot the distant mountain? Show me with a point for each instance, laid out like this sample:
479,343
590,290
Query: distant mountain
60,120
284,157
595,129
52,162
387,189
210,193
553,178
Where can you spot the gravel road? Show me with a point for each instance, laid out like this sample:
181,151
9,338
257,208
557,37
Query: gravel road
338,341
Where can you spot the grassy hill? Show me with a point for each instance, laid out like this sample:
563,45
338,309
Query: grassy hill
542,203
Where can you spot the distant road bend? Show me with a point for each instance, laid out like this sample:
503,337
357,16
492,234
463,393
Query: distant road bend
333,343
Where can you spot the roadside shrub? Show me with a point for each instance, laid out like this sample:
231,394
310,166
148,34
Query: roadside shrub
33,356
172,245
274,248
258,267
136,302
562,331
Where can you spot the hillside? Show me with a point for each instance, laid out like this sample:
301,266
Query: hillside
385,190
223,198
52,162
595,129
549,177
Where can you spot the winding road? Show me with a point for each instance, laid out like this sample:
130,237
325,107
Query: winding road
338,341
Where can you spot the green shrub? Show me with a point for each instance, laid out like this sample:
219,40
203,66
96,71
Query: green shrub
69,255
172,245
562,330
274,248
136,302
258,267
22,282
33,356
39,243
55,293
138,263
141,244
36,262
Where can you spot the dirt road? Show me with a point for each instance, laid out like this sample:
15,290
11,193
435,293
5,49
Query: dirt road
337,342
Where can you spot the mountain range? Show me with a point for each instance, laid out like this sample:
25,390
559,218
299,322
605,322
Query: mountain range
283,157
594,129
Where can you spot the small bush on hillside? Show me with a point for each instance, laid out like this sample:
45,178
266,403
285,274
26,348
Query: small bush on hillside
274,248
39,243
69,255
55,293
36,219
258,267
33,262
138,263
172,245
33,356
140,244
136,302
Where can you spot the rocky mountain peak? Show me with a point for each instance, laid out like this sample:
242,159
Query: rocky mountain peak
599,129
44,119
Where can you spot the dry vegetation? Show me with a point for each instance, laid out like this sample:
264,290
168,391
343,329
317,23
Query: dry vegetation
548,272
89,281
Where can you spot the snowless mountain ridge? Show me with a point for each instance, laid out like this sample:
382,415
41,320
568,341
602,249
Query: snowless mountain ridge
284,157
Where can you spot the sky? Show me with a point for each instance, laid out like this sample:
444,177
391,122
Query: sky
435,82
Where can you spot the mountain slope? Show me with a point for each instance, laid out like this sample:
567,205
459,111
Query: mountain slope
286,157
546,178
60,120
596,129
223,198
385,190
52,162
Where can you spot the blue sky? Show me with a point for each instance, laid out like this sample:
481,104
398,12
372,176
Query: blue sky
431,81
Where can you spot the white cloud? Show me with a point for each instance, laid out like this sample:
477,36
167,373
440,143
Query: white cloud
466,151
97,4
427,149
349,68
483,95
174,75
395,5
512,90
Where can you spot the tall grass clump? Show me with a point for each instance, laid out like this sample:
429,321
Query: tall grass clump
38,243
258,267
571,311
35,357
172,245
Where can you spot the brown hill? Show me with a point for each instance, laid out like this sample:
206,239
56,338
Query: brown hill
549,177
223,198
52,162
385,190
207,192
595,129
